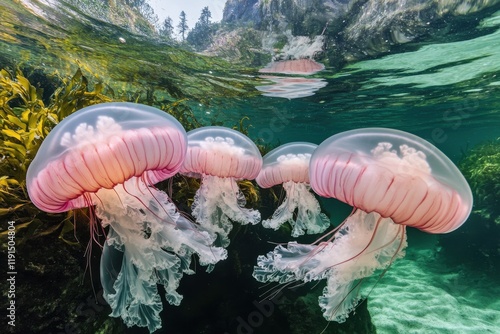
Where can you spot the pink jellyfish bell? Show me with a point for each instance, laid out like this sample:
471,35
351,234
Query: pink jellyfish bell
393,179
294,66
220,156
109,155
288,164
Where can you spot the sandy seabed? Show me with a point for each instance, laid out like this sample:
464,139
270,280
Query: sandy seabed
420,294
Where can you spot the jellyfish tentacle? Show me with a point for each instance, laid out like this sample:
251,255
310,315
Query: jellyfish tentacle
293,263
219,201
130,294
285,210
157,244
309,215
365,243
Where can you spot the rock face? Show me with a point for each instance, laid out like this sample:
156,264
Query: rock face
241,11
301,16
356,29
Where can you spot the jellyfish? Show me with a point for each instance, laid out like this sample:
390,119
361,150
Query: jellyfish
288,164
220,156
295,66
290,87
392,179
108,157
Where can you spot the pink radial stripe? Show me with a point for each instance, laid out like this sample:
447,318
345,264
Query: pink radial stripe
218,163
279,173
416,200
174,151
154,154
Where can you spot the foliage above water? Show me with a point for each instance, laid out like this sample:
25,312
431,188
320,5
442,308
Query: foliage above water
481,168
59,40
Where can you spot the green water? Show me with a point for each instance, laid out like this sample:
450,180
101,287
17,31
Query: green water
446,93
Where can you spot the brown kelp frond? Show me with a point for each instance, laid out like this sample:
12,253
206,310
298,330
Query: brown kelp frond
251,192
184,189
242,127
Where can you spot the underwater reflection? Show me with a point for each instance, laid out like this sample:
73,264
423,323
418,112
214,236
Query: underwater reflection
294,66
291,87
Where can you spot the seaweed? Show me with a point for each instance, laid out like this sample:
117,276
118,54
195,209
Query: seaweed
180,111
481,168
480,234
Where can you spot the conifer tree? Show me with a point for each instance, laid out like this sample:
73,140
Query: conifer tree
167,28
182,26
201,35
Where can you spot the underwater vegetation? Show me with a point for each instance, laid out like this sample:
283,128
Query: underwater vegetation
481,168
48,246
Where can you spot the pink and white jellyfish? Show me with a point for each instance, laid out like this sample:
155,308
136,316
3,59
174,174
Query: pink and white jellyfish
392,179
109,156
288,165
295,66
291,87
220,156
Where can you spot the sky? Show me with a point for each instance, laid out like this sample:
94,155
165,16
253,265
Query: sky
192,8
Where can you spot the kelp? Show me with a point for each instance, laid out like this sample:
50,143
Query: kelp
25,121
180,111
481,168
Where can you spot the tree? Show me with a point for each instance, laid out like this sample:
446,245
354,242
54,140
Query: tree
205,16
201,35
167,28
182,26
